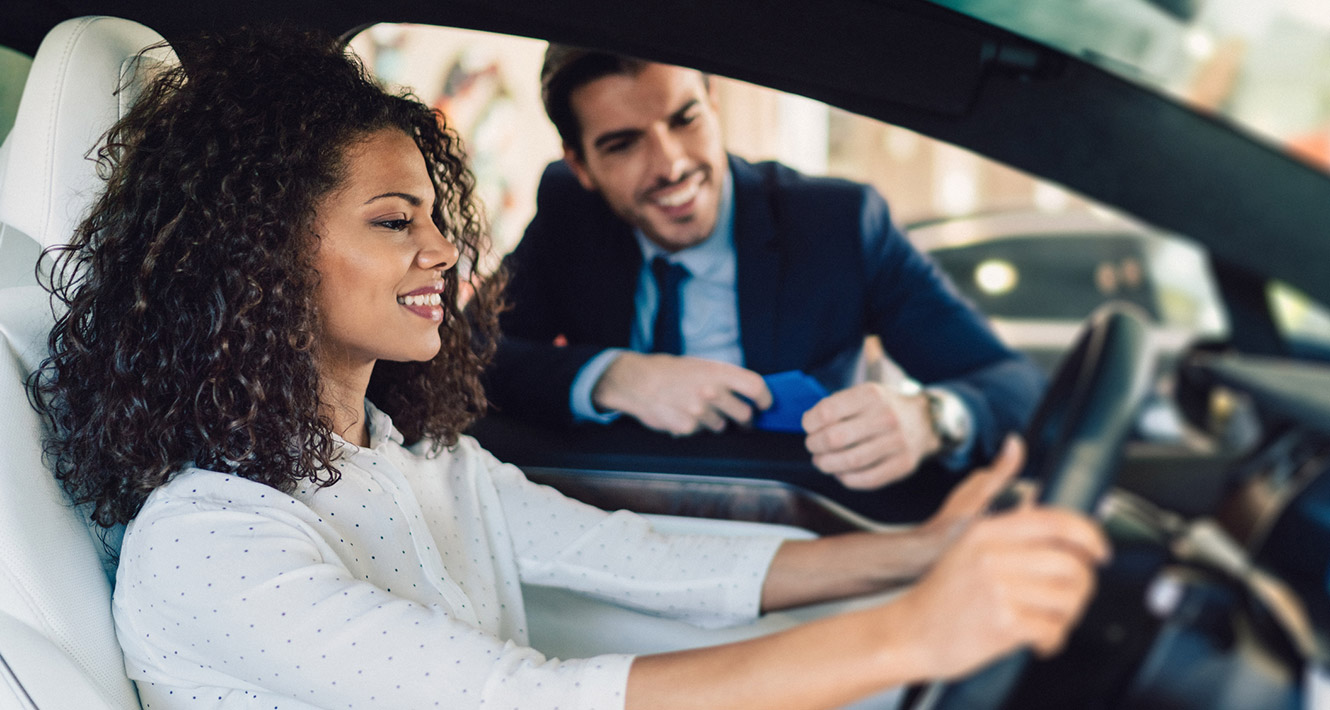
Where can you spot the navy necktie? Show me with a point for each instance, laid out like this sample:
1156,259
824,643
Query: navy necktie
667,335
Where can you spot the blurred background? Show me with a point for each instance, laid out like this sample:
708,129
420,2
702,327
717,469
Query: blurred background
1264,66
487,86
1033,256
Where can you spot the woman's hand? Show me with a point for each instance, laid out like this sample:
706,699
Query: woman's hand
1019,579
973,497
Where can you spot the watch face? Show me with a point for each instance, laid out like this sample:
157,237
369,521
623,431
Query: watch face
951,421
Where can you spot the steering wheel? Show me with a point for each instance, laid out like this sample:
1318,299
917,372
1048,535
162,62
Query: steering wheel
1075,444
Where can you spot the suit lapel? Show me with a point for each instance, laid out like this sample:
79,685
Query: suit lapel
757,255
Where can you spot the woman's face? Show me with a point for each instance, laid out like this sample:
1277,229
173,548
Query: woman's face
380,258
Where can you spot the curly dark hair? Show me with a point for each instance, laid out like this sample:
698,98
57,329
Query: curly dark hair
191,316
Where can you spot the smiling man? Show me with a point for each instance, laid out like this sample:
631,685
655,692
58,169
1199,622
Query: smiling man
662,278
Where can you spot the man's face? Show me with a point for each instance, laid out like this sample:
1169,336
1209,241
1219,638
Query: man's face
651,146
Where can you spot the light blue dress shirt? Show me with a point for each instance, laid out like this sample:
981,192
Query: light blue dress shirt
709,306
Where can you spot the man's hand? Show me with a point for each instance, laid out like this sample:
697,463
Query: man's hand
1020,579
870,435
680,395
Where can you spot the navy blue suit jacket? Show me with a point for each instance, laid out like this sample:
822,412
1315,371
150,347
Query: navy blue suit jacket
819,266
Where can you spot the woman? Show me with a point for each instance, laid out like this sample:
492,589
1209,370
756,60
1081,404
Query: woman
263,370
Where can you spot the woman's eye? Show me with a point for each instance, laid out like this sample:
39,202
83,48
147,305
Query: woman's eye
396,225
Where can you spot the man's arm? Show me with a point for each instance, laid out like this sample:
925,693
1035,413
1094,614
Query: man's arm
534,369
939,339
532,379
871,435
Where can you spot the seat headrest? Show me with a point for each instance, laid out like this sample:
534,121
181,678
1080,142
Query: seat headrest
84,77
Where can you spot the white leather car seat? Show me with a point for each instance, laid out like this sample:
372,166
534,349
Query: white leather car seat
18,251
57,643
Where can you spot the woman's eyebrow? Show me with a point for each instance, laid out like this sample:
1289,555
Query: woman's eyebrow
415,201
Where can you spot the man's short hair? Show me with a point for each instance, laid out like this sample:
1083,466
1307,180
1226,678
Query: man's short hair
567,68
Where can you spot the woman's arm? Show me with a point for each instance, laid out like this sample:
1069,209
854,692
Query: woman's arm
1020,579
706,580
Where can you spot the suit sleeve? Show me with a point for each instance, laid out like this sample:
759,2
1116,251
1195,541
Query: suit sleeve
939,338
532,376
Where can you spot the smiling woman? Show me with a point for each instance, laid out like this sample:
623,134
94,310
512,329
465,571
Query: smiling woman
381,260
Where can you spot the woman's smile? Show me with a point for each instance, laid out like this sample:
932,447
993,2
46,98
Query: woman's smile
425,302
377,237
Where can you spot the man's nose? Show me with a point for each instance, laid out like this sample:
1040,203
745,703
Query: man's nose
669,160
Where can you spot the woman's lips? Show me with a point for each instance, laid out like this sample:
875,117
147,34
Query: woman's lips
426,303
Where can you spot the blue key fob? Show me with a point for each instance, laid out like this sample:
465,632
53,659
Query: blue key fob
792,393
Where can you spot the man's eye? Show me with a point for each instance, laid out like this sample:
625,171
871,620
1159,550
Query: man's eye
396,225
685,119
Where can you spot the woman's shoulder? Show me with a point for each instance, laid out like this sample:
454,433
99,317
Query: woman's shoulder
198,503
201,491
201,483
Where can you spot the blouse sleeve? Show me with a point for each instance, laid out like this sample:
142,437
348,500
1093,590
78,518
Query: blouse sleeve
706,580
265,606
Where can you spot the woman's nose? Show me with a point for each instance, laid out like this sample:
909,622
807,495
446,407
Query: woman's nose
437,252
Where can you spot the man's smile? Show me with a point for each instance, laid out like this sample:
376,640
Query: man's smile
677,198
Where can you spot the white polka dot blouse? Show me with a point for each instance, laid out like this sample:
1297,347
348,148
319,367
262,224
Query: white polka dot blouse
397,587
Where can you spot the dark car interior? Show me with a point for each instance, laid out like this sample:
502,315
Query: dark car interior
1217,594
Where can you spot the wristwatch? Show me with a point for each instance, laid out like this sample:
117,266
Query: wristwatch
950,418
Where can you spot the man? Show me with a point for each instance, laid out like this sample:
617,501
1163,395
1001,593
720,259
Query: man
780,272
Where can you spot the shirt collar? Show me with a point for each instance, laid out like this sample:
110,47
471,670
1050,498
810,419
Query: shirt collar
703,257
380,426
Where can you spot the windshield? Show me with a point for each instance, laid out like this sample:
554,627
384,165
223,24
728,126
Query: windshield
1261,65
